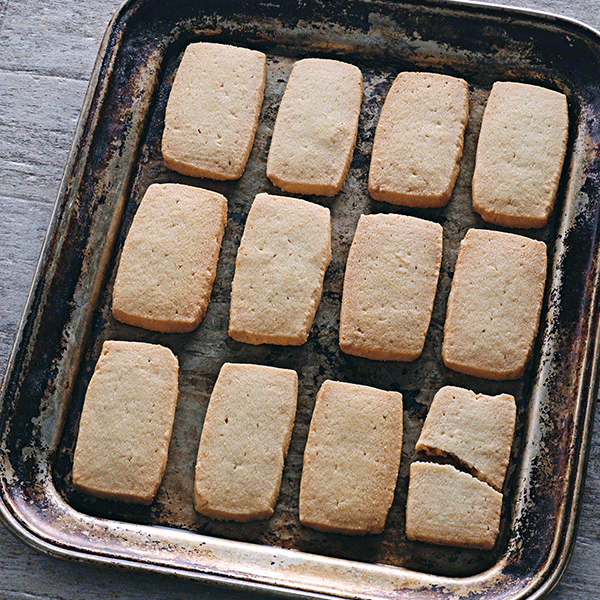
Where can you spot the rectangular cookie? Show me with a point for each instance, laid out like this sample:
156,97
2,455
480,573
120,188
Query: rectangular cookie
316,126
351,459
169,260
279,271
520,154
390,286
475,429
419,140
494,304
213,108
446,506
126,422
244,442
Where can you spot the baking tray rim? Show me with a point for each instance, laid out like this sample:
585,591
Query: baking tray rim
31,535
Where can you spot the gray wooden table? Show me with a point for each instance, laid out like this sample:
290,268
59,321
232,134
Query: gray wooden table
47,50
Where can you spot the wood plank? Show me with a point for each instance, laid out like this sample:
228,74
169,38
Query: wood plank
22,230
53,37
39,114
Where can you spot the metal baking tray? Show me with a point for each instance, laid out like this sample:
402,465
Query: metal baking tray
116,155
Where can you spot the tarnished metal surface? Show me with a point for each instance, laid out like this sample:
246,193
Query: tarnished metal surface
116,155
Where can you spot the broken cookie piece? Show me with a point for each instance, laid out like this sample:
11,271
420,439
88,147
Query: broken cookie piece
475,429
448,507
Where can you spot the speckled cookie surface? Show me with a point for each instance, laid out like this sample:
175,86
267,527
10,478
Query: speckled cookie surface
476,429
280,266
351,459
316,126
446,506
244,442
419,140
169,259
126,422
389,286
520,154
494,305
213,110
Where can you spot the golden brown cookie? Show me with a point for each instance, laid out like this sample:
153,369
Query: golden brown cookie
389,286
169,259
520,154
351,459
244,442
419,140
213,108
280,266
126,422
476,429
494,304
446,506
316,126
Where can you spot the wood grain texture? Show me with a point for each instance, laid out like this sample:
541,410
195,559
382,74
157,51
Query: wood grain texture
47,51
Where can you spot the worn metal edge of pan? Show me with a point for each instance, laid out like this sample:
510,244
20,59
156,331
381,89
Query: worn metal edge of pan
42,540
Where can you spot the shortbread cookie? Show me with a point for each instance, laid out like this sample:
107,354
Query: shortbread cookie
351,459
494,304
213,109
446,506
419,140
474,428
126,422
169,259
520,154
281,262
389,286
316,126
244,442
